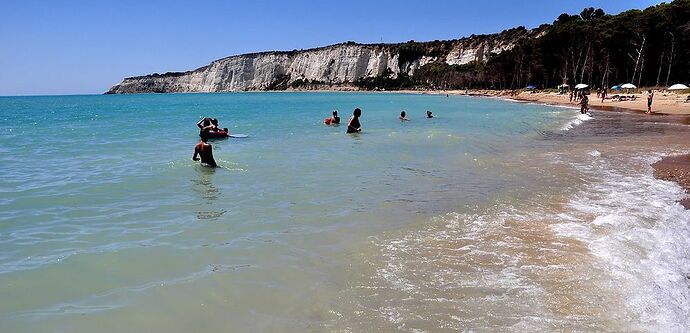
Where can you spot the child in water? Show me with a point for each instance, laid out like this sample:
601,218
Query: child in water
403,116
429,114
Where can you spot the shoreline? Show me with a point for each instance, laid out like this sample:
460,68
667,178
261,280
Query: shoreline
675,168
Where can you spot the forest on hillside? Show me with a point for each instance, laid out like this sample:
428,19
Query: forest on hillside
649,47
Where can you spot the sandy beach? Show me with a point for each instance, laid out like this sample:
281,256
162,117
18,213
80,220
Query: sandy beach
664,102
671,168
675,168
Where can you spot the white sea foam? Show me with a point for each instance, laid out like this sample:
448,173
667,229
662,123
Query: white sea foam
579,119
618,259
638,232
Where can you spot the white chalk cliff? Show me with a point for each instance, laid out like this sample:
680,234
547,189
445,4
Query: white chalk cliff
331,66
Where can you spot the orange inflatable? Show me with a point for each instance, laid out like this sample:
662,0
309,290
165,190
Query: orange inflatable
327,121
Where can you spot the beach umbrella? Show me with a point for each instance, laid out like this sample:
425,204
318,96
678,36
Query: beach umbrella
530,87
581,86
616,87
629,86
678,87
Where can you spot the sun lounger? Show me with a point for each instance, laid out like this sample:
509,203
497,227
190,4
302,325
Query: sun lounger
622,98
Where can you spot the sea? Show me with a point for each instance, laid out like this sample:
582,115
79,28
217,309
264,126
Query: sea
493,216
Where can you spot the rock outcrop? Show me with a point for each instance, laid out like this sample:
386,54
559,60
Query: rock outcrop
333,66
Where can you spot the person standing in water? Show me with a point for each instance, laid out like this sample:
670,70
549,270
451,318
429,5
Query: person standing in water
403,116
204,151
335,119
650,97
584,104
353,126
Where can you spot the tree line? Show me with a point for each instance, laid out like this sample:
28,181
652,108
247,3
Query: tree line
647,47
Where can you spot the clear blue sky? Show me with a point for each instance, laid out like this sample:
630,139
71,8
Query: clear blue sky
84,47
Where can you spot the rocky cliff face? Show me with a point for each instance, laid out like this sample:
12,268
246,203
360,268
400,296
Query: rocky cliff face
334,66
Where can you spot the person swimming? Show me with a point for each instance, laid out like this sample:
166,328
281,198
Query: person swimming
204,151
353,125
335,119
429,114
403,116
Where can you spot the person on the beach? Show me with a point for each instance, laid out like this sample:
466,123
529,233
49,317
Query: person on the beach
335,119
353,126
204,151
429,114
571,96
604,92
584,104
650,97
403,116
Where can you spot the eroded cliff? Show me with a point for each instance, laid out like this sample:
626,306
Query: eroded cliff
334,66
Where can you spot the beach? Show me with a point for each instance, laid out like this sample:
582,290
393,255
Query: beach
677,169
494,215
672,168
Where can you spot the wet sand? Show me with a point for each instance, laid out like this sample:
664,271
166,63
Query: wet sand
675,168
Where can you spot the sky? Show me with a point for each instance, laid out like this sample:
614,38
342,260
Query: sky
84,47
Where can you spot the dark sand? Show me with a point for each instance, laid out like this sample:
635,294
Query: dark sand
675,168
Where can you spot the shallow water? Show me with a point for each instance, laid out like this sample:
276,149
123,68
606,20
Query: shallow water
492,216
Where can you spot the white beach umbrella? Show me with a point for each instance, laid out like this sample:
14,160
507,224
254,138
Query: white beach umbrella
581,86
678,87
629,86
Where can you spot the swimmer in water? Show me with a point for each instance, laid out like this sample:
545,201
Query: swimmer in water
204,151
203,123
429,114
335,119
353,126
403,116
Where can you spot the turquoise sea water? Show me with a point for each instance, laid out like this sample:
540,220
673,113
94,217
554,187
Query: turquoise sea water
471,220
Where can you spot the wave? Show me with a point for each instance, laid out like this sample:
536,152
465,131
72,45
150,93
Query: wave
579,119
610,256
634,226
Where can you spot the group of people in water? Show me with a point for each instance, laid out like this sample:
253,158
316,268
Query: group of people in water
354,126
203,151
